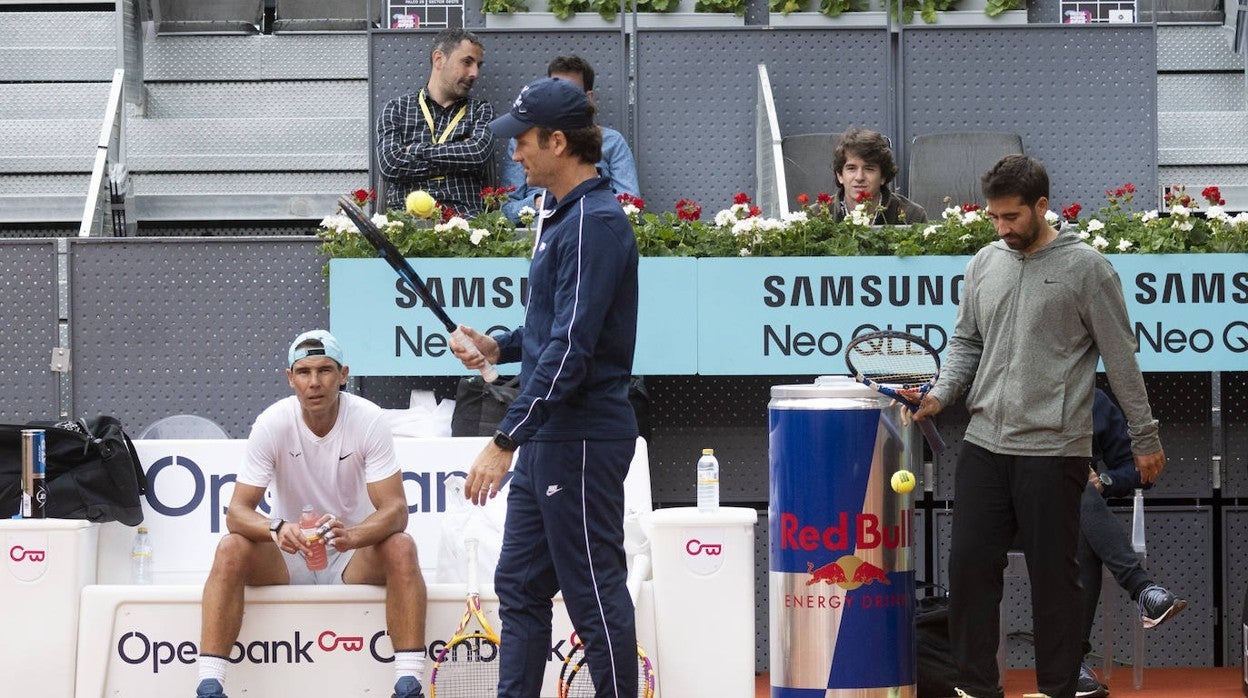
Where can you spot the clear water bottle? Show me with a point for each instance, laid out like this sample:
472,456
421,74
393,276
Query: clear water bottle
317,559
708,481
141,558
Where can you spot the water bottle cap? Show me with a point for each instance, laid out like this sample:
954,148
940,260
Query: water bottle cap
708,451
307,507
142,529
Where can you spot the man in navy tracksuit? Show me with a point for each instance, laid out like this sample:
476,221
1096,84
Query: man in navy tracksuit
565,510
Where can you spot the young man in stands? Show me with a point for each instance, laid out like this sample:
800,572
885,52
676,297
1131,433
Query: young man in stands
864,166
334,451
439,138
617,159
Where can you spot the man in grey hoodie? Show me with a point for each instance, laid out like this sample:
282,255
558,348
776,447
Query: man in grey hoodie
1039,309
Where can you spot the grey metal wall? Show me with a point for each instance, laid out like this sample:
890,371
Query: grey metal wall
697,91
28,312
1084,98
171,326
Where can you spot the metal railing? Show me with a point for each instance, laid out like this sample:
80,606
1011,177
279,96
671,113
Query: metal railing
96,220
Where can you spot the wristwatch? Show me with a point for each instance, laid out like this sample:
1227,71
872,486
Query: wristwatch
503,441
275,527
1106,480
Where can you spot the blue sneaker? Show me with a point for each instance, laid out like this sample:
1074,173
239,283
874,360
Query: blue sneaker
408,687
210,688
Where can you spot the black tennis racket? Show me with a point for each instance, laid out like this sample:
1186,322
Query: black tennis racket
888,362
391,254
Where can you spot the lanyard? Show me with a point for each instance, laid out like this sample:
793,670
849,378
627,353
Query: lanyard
424,107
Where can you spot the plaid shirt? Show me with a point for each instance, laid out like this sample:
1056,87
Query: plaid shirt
453,171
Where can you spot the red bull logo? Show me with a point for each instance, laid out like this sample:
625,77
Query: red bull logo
867,533
847,572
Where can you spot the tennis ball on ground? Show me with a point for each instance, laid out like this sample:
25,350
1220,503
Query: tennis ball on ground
419,203
903,481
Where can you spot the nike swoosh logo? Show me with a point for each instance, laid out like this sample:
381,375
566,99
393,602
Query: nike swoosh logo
1051,281
346,456
294,454
553,490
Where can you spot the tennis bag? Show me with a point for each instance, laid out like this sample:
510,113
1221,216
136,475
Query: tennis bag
93,471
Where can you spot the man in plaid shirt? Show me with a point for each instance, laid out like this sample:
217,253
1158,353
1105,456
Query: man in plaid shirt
439,139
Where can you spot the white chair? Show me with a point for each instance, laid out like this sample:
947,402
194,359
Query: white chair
183,426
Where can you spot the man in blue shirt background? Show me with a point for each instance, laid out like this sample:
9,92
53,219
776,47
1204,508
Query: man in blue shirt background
616,164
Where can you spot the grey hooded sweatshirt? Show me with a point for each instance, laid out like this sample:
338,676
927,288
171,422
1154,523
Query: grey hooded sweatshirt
1029,333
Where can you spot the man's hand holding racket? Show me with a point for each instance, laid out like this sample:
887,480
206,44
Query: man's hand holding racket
482,352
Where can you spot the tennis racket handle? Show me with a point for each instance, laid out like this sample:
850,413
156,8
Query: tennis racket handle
488,373
933,436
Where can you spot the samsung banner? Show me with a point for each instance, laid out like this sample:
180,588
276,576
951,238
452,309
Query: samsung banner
778,315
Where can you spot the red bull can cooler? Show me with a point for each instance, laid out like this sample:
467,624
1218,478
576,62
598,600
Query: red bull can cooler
841,569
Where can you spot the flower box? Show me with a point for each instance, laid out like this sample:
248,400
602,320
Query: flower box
540,18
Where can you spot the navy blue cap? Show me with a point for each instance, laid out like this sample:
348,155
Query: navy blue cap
549,103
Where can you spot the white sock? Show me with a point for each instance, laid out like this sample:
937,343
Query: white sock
212,667
409,663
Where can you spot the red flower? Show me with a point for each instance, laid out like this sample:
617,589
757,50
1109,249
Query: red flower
740,198
1213,195
824,198
861,197
967,208
1129,187
803,199
687,210
363,196
1071,212
448,213
754,211
625,199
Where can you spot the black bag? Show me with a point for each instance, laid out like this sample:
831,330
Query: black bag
93,471
937,674
480,406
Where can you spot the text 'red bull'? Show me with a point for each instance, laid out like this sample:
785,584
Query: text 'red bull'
867,533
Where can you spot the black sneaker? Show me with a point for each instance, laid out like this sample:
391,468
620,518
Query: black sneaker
1157,605
210,688
407,687
1088,686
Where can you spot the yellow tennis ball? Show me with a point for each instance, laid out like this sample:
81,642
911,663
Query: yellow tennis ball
903,481
419,203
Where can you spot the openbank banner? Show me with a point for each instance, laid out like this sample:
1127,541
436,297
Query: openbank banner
793,315
386,331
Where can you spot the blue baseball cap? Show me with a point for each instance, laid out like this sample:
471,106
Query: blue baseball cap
548,103
329,347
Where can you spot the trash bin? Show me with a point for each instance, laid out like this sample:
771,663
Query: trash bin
841,570
47,563
704,601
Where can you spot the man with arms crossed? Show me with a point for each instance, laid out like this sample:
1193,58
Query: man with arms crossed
572,421
1039,308
334,451
439,139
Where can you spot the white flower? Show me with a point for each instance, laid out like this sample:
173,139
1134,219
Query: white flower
1100,243
740,210
479,234
456,223
1084,235
965,237
1240,218
970,217
930,230
1216,212
1180,211
527,215
1149,216
1051,217
745,252
1124,245
952,213
725,218
1184,225
860,216
795,217
631,210
380,220
1095,225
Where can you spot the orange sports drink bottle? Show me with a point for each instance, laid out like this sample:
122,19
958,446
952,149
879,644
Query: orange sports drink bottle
317,559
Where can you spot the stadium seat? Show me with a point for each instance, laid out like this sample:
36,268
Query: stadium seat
808,165
297,16
183,426
220,17
949,165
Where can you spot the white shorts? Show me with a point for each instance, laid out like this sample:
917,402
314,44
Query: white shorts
332,574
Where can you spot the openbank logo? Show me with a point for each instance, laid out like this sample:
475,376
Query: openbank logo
137,648
17,554
178,486
26,555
